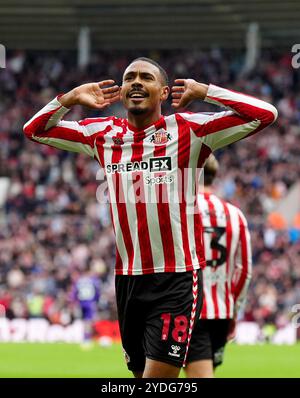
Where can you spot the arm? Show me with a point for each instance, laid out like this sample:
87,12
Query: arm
246,115
243,265
47,127
242,273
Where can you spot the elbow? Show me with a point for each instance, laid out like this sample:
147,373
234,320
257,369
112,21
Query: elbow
27,130
274,113
270,115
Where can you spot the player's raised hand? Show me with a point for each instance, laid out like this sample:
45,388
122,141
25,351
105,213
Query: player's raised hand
93,95
187,90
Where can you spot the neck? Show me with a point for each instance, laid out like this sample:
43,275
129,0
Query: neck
206,189
142,121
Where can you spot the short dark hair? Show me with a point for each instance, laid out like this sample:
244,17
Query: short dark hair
162,71
211,167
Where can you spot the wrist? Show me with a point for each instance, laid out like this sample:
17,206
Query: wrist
201,90
68,100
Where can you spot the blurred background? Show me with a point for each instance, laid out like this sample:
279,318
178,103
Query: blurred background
55,236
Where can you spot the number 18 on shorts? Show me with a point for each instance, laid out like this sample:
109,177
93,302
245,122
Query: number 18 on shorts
157,313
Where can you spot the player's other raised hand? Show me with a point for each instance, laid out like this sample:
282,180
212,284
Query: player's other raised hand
187,90
93,95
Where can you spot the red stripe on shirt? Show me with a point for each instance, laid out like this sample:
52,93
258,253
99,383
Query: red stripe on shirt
119,263
213,222
228,250
140,205
218,124
65,133
198,227
100,145
244,256
87,121
39,123
214,295
164,214
248,111
184,138
121,208
203,314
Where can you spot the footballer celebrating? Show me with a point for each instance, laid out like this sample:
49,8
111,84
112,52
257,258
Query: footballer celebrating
159,250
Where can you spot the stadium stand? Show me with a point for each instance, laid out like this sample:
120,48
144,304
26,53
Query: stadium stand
53,228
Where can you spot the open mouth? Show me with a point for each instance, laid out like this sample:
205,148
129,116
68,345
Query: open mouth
137,95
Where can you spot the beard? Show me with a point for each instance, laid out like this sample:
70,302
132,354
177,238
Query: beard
137,111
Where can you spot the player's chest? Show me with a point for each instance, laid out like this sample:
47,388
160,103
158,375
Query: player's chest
134,147
160,148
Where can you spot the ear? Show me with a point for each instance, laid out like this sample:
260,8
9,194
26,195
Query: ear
121,93
165,93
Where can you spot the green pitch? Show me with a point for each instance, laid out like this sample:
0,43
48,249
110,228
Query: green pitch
70,360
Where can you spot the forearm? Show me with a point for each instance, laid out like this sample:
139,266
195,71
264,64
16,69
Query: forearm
46,118
200,90
248,107
240,298
243,264
47,127
245,116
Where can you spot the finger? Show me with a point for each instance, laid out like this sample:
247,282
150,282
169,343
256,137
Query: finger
112,95
102,106
176,95
111,89
179,103
178,88
105,83
179,81
94,105
115,99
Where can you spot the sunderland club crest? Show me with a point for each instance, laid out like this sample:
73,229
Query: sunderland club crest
160,137
118,140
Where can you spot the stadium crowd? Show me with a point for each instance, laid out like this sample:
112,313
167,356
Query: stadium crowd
52,227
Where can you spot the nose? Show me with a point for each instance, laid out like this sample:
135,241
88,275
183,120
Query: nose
136,84
137,81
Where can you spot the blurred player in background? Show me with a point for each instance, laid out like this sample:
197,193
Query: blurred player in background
226,277
86,293
159,256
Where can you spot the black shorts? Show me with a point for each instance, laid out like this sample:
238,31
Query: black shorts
156,313
208,340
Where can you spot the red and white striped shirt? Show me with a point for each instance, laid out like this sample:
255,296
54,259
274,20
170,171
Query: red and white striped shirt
228,257
160,234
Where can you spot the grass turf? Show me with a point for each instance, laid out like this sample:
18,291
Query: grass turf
69,360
